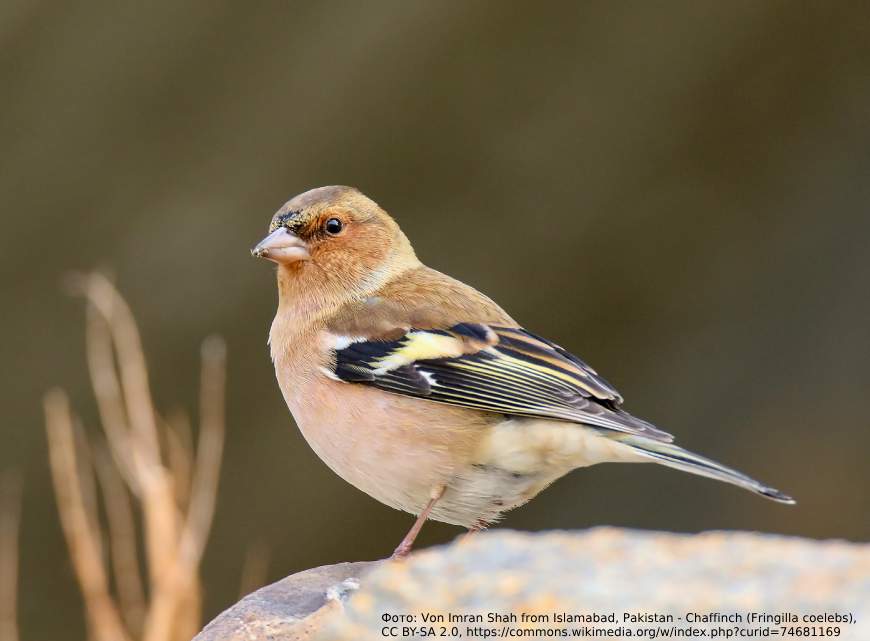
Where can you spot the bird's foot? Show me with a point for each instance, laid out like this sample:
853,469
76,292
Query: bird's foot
401,552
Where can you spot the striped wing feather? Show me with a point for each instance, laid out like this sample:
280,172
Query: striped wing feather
491,368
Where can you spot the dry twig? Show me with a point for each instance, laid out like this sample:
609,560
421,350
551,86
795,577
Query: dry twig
255,569
83,542
122,541
174,486
10,520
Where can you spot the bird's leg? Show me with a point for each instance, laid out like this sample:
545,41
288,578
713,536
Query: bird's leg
480,526
405,546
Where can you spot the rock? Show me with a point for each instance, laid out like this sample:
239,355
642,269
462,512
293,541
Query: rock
290,609
606,571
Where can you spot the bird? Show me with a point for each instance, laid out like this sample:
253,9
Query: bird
421,391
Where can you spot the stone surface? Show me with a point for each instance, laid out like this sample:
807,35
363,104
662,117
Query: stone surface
604,570
290,609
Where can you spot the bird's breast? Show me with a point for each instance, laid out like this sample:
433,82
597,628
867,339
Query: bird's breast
395,448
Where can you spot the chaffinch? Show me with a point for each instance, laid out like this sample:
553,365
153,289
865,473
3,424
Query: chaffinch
424,393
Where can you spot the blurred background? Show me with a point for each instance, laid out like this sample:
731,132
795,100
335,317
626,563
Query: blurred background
676,192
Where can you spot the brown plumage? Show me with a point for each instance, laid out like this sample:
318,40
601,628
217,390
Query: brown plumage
421,391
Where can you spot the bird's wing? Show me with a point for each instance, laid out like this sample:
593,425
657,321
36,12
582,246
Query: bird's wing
488,367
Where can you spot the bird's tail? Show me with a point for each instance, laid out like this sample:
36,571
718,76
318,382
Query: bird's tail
680,459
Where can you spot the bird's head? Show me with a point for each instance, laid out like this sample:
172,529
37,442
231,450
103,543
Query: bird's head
334,236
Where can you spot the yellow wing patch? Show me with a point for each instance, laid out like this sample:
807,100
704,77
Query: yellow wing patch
496,369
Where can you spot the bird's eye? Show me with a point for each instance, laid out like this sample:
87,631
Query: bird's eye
333,226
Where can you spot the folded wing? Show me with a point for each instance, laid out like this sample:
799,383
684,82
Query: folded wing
488,367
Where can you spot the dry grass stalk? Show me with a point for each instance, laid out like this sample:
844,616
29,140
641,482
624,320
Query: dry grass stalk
179,445
255,569
174,486
104,620
10,520
122,541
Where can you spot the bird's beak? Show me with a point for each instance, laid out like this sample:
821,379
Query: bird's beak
281,246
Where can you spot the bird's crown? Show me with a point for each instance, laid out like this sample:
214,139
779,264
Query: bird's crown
301,211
